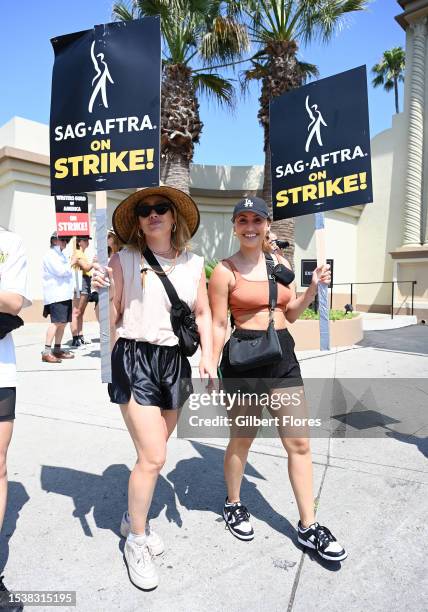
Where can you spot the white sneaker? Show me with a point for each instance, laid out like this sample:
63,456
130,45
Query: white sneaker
141,568
154,541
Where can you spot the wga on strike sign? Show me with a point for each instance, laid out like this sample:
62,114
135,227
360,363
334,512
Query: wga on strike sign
105,108
320,146
72,218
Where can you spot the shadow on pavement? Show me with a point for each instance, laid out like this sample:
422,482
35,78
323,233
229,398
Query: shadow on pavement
17,497
106,495
197,482
411,339
199,485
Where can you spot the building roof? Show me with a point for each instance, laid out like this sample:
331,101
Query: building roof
413,11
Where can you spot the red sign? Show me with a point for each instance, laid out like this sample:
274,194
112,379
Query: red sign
72,218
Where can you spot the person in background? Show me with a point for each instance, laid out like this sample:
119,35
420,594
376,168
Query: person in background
114,245
79,303
13,297
57,298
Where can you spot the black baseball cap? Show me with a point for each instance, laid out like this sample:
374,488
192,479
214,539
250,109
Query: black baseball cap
83,238
251,204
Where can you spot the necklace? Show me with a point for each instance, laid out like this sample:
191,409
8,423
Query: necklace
163,252
162,272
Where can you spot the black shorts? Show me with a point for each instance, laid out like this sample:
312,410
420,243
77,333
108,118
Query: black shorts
60,312
285,373
86,285
7,403
154,375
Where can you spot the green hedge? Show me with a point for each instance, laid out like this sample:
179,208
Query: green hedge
335,315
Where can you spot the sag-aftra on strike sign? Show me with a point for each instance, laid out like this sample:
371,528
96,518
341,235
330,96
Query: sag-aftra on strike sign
105,108
320,146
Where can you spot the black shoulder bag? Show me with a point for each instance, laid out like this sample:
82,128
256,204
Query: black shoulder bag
247,353
183,320
8,323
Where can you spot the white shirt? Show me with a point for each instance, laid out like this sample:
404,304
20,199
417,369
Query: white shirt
146,312
58,281
13,278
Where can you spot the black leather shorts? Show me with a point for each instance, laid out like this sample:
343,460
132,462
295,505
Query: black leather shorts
154,375
285,373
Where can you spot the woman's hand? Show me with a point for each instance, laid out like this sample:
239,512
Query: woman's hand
101,278
321,274
207,368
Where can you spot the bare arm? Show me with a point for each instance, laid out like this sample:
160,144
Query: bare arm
115,284
10,303
218,292
297,305
204,323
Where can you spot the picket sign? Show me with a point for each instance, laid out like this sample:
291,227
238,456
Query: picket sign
103,294
323,305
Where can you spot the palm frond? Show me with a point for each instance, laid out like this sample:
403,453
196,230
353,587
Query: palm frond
214,87
122,11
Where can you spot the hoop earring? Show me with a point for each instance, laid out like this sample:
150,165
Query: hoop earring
174,227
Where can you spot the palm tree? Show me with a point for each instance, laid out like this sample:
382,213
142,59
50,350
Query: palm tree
195,35
389,71
277,27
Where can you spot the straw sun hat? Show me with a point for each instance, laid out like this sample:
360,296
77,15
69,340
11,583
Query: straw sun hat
124,215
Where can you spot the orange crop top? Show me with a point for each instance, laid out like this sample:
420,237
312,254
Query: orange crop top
249,296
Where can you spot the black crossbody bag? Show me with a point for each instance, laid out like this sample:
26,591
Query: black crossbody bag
183,320
251,353
9,323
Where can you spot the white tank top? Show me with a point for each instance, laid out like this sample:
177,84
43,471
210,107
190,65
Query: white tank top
146,312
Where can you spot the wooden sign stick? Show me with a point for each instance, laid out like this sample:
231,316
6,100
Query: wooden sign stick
323,305
103,303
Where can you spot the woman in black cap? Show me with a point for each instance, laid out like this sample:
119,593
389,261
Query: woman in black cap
262,348
150,374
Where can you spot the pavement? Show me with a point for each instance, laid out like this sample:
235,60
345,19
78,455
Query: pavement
69,464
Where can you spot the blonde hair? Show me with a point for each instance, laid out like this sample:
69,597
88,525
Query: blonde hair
180,238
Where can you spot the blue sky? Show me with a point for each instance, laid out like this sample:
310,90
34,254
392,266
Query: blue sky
228,138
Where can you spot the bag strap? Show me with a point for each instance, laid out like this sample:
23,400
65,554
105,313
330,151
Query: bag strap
168,286
273,289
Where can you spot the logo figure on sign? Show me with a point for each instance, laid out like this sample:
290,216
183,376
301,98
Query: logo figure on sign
314,126
99,82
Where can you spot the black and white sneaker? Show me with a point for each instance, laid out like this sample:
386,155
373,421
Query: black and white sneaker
321,539
237,520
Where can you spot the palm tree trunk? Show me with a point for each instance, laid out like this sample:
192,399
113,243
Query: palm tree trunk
397,110
175,171
284,75
180,125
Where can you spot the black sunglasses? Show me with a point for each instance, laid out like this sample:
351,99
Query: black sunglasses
144,210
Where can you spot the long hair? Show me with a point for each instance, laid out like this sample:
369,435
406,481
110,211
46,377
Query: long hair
180,239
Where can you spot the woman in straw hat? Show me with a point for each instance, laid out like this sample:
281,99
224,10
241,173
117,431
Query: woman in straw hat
150,375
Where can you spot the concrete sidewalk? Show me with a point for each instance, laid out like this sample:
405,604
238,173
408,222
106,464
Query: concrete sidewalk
69,464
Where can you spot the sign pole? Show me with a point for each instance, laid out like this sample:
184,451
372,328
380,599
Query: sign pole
322,287
104,305
76,269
